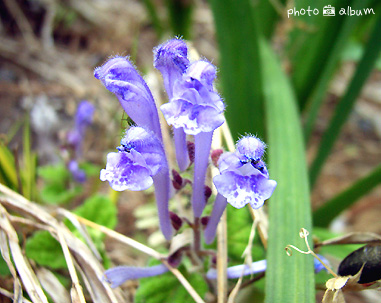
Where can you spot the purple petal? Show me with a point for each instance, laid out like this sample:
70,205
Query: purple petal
319,266
251,147
181,147
237,271
120,77
126,171
78,174
170,58
218,209
148,145
239,190
118,275
84,115
203,142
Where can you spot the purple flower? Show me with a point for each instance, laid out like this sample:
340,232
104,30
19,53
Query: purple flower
235,272
170,58
141,156
120,274
83,118
78,174
120,77
243,175
195,105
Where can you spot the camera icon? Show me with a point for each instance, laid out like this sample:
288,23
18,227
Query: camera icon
328,11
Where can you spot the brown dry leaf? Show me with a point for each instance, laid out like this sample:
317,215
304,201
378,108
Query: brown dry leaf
353,238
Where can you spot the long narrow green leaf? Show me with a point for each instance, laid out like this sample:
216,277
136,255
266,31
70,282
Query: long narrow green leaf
237,35
331,209
311,43
320,91
28,172
345,105
8,172
288,279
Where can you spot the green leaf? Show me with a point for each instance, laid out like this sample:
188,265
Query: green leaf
54,173
166,288
8,172
344,108
329,67
337,251
311,43
58,194
288,279
332,208
237,36
239,224
4,270
98,209
45,250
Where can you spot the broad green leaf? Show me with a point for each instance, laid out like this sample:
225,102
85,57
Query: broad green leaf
57,193
166,288
239,224
237,35
45,250
344,108
332,208
288,279
54,173
98,209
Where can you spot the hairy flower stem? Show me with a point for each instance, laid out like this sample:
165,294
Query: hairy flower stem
218,209
181,148
203,142
161,183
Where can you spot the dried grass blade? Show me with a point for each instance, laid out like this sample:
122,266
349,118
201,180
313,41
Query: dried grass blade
52,286
17,293
24,269
121,238
76,291
8,294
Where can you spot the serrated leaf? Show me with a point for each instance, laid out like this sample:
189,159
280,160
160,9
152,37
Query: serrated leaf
45,250
166,288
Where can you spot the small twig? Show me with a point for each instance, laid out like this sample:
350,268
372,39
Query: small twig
10,295
47,26
304,235
22,22
184,282
121,238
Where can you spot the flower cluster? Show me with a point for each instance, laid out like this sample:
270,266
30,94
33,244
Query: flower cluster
243,179
194,110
